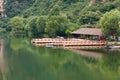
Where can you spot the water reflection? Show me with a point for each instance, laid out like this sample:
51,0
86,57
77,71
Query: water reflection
112,61
108,65
27,62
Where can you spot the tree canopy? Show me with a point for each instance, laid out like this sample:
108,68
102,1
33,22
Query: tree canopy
110,23
51,18
17,23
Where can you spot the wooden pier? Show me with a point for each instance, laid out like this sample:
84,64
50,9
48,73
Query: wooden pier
71,43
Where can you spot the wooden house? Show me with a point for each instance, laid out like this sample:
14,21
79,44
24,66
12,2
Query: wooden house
89,32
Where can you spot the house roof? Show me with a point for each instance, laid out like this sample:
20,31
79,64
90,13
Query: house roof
88,31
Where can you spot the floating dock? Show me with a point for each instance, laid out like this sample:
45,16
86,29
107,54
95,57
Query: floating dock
70,43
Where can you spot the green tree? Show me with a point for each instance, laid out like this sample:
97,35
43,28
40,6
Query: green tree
90,17
17,23
16,7
119,28
110,23
56,26
33,31
107,7
4,24
54,11
70,28
41,24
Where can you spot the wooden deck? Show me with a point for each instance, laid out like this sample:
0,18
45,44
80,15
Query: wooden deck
71,43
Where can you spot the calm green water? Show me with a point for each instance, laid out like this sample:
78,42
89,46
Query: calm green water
26,62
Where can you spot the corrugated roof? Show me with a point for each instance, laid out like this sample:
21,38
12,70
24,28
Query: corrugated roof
88,31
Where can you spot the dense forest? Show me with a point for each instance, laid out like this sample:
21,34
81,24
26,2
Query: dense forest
51,18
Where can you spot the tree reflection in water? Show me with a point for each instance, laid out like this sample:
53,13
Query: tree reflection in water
27,62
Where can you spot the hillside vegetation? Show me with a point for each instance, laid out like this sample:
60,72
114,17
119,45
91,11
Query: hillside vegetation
61,17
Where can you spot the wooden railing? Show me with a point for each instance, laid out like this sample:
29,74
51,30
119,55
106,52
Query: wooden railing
71,43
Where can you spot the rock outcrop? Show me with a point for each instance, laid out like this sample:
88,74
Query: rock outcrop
2,10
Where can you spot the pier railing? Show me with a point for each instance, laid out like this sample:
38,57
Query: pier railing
70,43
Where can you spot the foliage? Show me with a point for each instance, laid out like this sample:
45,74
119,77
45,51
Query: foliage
55,10
110,23
70,28
50,18
33,31
16,7
3,22
107,7
17,23
41,25
56,26
90,17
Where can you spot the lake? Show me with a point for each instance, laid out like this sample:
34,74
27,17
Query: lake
23,61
